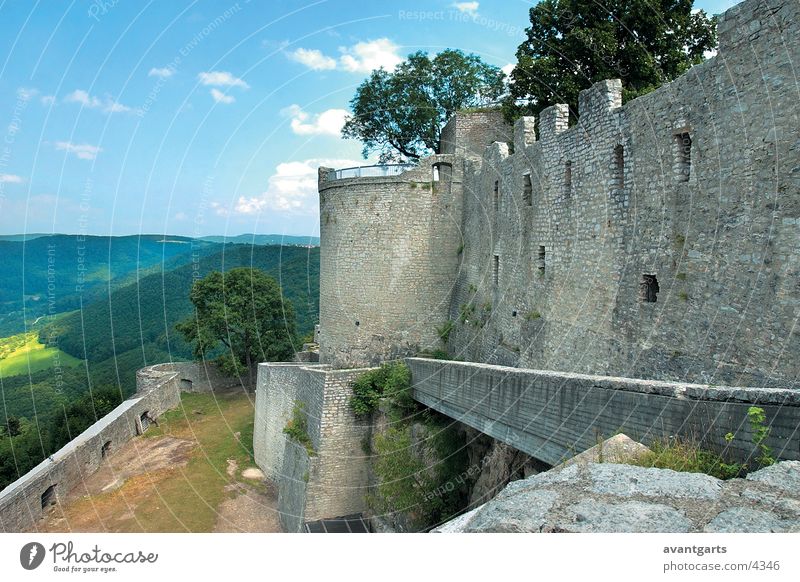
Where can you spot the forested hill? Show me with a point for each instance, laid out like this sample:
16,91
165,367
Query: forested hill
54,274
140,317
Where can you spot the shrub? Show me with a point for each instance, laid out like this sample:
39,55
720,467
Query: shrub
392,381
297,427
757,419
426,492
685,455
444,331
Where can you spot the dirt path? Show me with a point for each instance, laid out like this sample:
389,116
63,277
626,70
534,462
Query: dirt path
250,511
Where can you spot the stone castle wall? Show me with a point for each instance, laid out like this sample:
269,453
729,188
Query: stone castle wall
691,190
21,503
333,481
387,262
201,377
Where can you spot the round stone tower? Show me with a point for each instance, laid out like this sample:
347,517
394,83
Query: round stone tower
390,239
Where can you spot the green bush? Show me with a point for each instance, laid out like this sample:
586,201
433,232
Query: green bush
685,455
757,419
427,493
392,381
297,428
445,330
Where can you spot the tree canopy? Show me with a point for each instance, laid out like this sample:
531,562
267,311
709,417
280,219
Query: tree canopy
400,114
572,44
242,318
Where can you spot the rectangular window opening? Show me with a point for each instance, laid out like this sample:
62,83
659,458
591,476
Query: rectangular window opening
567,179
618,173
145,420
496,194
527,190
683,156
649,288
496,270
105,449
540,260
49,496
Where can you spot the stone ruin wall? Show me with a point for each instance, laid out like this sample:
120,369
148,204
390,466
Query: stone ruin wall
618,197
24,502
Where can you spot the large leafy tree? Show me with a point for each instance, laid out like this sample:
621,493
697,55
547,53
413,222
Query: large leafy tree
400,114
574,43
242,318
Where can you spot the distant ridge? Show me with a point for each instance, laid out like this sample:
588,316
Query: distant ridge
24,237
265,239
252,239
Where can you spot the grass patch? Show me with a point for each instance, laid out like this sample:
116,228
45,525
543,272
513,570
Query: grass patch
186,498
297,428
23,354
685,455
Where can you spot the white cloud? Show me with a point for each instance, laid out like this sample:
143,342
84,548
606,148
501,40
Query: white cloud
313,59
292,188
163,73
82,151
107,105
470,8
48,99
26,93
362,57
10,179
221,79
82,97
221,97
329,122
508,68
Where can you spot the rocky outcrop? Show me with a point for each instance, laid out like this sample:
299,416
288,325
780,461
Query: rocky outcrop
607,497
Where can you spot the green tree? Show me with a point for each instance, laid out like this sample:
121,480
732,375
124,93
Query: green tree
400,114
12,426
574,43
244,311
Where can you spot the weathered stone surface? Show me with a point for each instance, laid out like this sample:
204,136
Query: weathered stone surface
739,519
627,481
617,449
784,475
622,498
517,513
629,516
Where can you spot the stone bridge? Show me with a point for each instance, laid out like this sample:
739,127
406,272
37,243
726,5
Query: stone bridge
554,415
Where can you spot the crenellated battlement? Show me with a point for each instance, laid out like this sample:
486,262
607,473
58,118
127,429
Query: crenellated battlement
633,242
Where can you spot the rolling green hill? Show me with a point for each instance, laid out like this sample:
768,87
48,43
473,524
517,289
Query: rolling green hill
114,335
53,274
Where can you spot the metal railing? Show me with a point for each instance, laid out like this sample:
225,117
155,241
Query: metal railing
377,171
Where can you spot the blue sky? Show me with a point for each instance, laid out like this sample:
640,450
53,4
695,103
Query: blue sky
204,117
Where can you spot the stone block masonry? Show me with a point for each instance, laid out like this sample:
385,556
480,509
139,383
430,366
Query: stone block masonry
333,481
656,239
23,503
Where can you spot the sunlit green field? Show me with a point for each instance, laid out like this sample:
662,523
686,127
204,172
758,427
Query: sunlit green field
22,353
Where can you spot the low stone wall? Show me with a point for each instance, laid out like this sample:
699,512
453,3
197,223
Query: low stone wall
553,415
333,481
23,502
200,377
